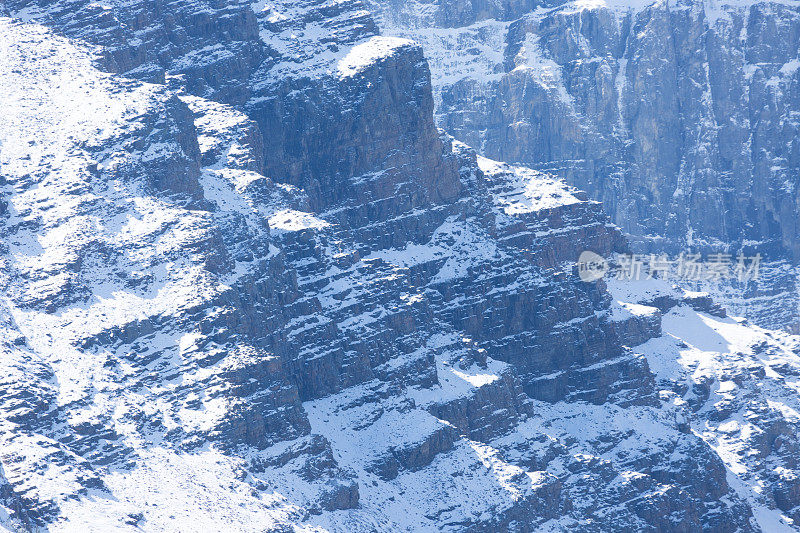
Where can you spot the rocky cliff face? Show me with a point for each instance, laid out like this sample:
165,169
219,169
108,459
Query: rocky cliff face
210,48
681,117
289,294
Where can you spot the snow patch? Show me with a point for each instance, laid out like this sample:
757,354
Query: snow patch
367,53
522,190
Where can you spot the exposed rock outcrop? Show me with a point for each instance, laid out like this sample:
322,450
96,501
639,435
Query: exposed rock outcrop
681,117
306,306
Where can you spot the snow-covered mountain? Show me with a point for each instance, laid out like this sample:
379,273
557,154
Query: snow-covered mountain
681,116
248,284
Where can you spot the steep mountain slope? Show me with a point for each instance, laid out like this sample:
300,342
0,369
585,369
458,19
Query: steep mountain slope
387,333
210,47
680,116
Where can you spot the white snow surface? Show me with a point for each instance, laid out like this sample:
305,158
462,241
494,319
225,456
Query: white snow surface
519,190
746,368
60,121
369,52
